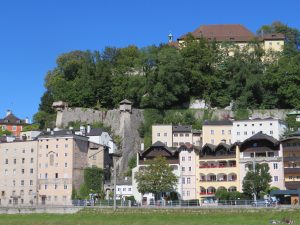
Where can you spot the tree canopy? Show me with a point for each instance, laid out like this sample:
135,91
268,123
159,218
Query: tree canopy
156,178
257,181
164,77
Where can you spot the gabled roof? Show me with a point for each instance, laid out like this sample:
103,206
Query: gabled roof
273,36
125,101
182,128
158,144
11,119
261,136
223,32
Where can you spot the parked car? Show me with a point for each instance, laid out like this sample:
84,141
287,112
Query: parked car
261,202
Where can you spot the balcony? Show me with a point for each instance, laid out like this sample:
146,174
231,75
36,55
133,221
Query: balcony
261,159
228,180
216,166
207,193
292,170
291,159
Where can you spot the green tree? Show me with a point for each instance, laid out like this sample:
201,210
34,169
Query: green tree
93,179
131,165
5,133
258,180
156,178
83,191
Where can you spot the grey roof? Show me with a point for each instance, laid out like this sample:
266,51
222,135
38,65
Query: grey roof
95,132
217,122
182,128
66,133
125,101
124,182
261,136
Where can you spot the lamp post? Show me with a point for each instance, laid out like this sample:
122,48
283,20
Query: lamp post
114,155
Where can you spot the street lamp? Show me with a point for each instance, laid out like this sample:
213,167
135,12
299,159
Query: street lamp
114,155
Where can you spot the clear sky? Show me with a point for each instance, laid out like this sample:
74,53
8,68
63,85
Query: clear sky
34,32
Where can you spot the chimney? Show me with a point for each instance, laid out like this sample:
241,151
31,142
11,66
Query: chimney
142,146
88,129
82,130
8,112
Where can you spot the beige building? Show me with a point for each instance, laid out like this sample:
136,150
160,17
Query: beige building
215,132
18,173
217,168
176,135
62,157
235,34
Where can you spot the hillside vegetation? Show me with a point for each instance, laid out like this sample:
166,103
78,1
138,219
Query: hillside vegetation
163,77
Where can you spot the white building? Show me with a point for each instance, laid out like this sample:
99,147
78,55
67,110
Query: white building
30,135
124,188
243,129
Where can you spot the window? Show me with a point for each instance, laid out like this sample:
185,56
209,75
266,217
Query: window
212,131
47,146
260,124
183,158
66,164
238,133
14,183
119,189
31,160
46,186
187,135
223,132
6,161
14,171
124,189
229,131
175,135
253,132
65,186
6,172
56,175
183,168
22,182
190,158
23,151
32,150
14,128
212,141
245,125
188,180
290,177
23,160
275,166
237,125
15,161
165,134
31,182
183,193
271,124
22,171
66,145
271,132
181,135
187,193
183,180
245,132
51,160
175,144
56,146
31,170
158,134
46,175
190,168
275,178
55,186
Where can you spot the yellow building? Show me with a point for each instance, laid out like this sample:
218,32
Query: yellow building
236,34
217,169
215,132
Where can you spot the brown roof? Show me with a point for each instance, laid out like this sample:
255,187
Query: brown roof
223,32
274,36
11,119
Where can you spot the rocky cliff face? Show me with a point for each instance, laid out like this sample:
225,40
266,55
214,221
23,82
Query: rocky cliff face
123,123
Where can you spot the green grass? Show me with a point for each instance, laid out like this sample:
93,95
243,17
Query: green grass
156,217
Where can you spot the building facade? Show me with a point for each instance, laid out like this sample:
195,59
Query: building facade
243,129
215,132
258,149
187,160
12,123
217,168
176,135
62,157
18,173
291,162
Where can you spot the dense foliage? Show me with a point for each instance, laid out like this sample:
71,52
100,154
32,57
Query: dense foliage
163,77
93,179
157,178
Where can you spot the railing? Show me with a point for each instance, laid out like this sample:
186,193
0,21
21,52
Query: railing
216,166
258,159
228,180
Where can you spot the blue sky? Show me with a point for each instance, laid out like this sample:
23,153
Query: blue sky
34,32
